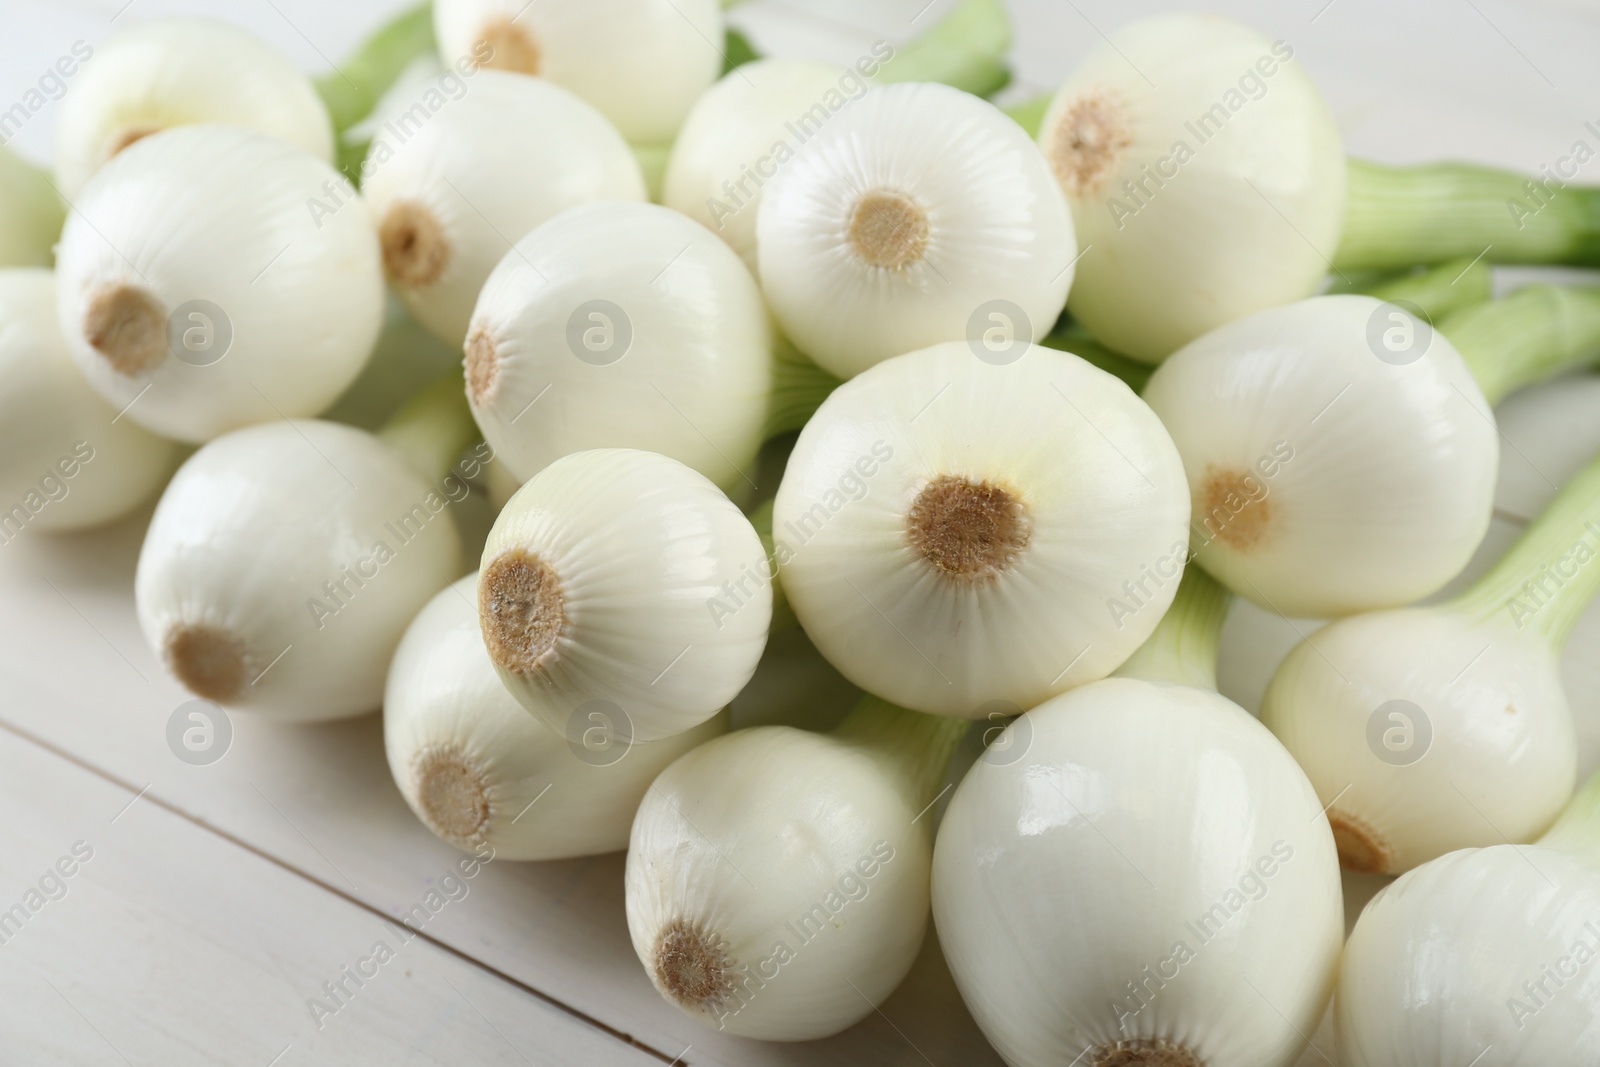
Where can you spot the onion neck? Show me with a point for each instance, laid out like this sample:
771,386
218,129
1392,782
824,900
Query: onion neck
799,387
1437,291
783,616
915,746
967,49
1526,337
352,91
1545,581
1578,828
1399,216
431,430
1183,648
1029,114
1072,338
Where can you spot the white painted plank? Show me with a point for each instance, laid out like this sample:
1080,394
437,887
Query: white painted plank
167,944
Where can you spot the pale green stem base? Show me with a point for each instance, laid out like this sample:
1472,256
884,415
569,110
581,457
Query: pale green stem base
919,747
1073,338
1528,336
1549,576
1578,828
1437,291
652,160
799,387
1400,216
31,213
1183,648
433,428
1030,113
967,49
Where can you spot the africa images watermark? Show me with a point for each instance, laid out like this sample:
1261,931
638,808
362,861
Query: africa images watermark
1252,886
51,85
1541,192
851,887
51,886
1553,977
54,485
1547,582
1251,86
338,992
852,86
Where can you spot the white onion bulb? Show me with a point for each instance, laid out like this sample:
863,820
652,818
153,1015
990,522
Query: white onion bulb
952,531
478,769
1138,873
1206,179
66,460
176,72
628,326
1326,480
198,289
453,193
284,562
905,221
31,214
641,62
624,580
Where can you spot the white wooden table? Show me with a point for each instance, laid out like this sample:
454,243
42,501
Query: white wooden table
218,900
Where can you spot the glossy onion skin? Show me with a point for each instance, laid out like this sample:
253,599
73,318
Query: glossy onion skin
251,527
998,229
490,166
1100,479
51,420
1500,754
642,547
1247,222
1375,479
1434,971
545,801
1109,821
796,812
686,363
224,215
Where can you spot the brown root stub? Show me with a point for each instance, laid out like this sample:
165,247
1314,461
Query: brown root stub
521,609
129,135
453,794
968,530
482,365
511,47
415,249
1361,847
1089,141
889,229
691,965
1237,510
1147,1052
128,326
210,662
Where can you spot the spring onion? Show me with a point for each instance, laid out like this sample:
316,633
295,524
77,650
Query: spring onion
1136,872
1340,456
624,577
201,291
953,530
1206,178
777,882
1443,727
477,769
285,559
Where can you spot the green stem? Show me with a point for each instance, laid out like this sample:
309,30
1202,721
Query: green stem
31,213
799,387
1578,827
1526,337
433,428
1399,216
782,615
1029,114
1549,576
352,90
1183,648
1071,337
967,50
652,160
1438,291
918,747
